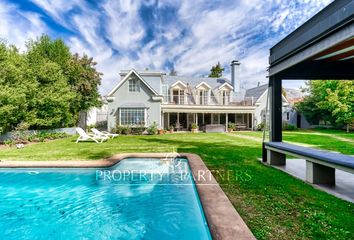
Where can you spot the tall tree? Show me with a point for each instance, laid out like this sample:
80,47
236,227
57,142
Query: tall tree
216,71
340,102
18,87
84,80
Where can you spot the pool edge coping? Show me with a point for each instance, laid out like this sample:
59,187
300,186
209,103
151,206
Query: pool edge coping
223,220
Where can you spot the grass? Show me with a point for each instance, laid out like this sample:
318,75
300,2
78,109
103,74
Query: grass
273,204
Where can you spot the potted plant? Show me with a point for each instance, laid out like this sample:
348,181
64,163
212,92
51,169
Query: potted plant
231,127
171,129
161,131
194,127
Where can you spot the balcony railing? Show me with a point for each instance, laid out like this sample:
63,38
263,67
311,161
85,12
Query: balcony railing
190,100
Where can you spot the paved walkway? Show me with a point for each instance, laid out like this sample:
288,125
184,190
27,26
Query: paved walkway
343,189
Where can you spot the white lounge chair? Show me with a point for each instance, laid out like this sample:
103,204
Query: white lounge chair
83,136
104,133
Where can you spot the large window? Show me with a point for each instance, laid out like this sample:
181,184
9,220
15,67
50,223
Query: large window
132,116
134,85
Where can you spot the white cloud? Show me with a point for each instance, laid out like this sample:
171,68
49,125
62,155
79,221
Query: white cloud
17,28
197,35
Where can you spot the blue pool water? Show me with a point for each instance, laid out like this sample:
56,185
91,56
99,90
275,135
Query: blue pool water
135,199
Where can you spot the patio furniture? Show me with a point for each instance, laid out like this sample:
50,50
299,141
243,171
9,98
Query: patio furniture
320,165
104,133
214,128
84,137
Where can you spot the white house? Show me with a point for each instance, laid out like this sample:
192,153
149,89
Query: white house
144,97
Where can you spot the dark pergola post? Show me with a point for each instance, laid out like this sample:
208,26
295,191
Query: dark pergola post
276,121
276,113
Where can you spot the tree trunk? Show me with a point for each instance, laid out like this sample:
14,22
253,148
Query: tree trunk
348,125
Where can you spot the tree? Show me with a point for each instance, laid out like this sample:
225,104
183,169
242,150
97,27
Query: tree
84,81
340,102
79,73
216,71
45,87
17,88
329,100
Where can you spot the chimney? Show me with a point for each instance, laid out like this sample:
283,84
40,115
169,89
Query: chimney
235,75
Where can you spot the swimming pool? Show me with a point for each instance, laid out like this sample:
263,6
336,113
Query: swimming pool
138,198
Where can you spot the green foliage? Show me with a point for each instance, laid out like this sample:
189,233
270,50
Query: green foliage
46,86
20,135
216,71
84,80
138,130
152,129
124,130
289,127
231,126
329,100
260,127
41,136
194,126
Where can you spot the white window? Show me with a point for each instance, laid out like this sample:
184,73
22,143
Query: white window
225,97
132,116
134,85
203,97
178,96
164,92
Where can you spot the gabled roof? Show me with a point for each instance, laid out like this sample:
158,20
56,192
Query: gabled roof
179,82
226,84
203,83
126,78
194,81
256,92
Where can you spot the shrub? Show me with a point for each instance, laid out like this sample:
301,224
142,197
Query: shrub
289,127
138,130
41,136
20,134
9,142
232,126
124,130
101,125
194,126
260,127
152,130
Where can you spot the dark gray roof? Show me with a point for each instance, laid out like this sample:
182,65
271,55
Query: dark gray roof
194,81
256,92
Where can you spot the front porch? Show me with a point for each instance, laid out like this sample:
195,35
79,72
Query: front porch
181,121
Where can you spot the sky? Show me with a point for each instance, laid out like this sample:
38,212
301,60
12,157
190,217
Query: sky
189,36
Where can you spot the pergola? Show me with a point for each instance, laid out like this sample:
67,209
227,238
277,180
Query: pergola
322,48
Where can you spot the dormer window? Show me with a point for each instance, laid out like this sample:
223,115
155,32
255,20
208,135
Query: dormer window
178,96
225,97
134,85
203,97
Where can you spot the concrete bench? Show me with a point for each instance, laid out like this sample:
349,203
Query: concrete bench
320,165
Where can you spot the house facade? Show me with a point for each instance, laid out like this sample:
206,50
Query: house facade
145,97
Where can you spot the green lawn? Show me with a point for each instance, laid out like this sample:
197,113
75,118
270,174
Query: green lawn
273,204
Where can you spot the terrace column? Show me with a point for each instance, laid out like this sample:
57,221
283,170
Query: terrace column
168,120
196,118
252,123
275,97
226,121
